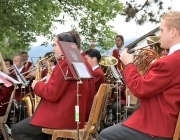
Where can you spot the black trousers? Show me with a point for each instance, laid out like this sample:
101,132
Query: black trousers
18,112
120,132
25,131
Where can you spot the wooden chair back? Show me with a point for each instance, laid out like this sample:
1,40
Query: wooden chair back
95,116
101,103
177,129
133,99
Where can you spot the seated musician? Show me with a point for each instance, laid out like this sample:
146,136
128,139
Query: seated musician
44,71
25,56
52,63
5,92
58,100
18,61
9,63
158,90
93,56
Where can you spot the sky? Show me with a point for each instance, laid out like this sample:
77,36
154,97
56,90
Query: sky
129,30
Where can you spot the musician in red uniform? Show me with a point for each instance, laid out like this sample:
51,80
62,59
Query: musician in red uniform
58,100
116,52
8,63
18,61
93,56
158,90
5,92
25,56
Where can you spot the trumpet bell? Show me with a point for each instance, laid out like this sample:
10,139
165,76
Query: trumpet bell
154,39
108,60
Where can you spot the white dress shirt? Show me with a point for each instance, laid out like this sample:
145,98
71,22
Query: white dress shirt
95,67
174,48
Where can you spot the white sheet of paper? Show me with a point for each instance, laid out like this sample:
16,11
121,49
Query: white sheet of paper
1,81
9,78
81,70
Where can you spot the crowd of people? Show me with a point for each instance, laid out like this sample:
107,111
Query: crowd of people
157,90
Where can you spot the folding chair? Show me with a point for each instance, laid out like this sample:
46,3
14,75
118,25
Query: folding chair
3,118
94,119
134,104
177,130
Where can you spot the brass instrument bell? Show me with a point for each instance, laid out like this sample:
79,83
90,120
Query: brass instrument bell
156,44
106,61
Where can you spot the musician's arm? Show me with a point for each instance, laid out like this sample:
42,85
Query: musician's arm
149,85
56,86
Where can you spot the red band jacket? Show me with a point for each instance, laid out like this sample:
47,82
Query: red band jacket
159,94
59,98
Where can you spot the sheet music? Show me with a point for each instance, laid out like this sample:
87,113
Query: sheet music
9,78
1,82
81,70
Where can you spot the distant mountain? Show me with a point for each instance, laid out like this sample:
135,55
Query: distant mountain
37,52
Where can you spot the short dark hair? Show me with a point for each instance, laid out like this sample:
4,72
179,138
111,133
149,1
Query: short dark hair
121,37
10,61
70,36
93,53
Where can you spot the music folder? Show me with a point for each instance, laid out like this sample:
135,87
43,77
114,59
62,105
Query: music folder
8,81
74,60
1,81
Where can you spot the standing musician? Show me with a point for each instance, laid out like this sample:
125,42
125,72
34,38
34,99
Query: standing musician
25,56
93,56
158,90
116,52
58,100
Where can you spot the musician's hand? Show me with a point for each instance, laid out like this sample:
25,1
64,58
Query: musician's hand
32,73
126,58
153,61
48,77
33,84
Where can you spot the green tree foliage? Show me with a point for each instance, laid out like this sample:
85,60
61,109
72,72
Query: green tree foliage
93,17
145,11
22,20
